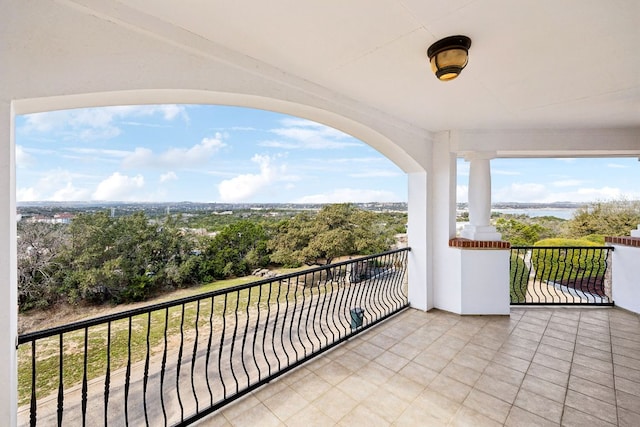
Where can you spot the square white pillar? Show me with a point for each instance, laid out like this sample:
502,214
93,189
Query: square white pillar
8,271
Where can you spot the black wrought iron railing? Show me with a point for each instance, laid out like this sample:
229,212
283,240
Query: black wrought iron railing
175,362
560,275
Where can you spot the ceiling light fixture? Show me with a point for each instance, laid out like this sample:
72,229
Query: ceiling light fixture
449,56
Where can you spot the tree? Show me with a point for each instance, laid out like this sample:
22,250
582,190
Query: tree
336,230
38,246
612,218
235,251
518,233
125,259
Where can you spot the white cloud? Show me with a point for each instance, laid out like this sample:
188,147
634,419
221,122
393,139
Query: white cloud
617,166
169,176
95,123
23,159
243,187
27,195
70,193
539,193
118,187
517,192
55,185
374,174
354,195
504,172
198,154
567,183
305,134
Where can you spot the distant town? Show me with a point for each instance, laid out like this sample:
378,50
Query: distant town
64,212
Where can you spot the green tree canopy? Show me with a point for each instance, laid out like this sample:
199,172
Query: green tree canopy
612,218
336,230
236,251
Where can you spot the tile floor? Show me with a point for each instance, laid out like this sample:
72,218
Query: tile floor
538,367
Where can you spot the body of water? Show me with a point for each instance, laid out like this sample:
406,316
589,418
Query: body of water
558,213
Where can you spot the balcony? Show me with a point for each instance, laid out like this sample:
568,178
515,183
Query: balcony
560,366
248,358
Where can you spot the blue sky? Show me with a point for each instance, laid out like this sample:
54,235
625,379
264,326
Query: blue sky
203,153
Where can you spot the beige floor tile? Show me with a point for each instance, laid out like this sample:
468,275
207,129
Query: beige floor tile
391,361
357,388
368,351
285,403
403,387
467,417
593,375
544,388
434,404
405,350
383,341
540,405
431,360
375,373
480,351
470,361
450,388
215,420
311,386
627,386
418,373
309,416
511,362
257,415
487,405
462,373
520,418
595,390
504,373
552,362
361,415
241,405
628,418
592,342
591,406
334,372
548,374
574,418
596,353
335,404
519,352
555,352
628,401
497,388
629,362
386,405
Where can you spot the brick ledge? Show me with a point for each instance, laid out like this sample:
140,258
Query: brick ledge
624,240
462,243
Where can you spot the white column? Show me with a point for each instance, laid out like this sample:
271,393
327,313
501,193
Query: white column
420,289
479,227
636,233
8,272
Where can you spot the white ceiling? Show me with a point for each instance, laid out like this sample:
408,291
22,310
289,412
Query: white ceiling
533,63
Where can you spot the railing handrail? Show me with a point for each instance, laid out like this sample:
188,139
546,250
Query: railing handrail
81,324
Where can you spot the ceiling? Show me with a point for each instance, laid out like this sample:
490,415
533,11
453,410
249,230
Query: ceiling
533,63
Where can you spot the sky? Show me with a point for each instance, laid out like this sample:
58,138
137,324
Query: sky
204,153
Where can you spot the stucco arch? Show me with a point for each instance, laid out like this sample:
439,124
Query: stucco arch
372,137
